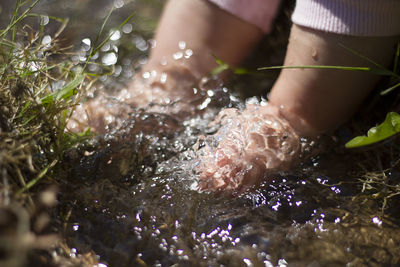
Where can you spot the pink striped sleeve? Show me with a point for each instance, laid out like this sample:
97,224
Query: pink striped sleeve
260,13
350,17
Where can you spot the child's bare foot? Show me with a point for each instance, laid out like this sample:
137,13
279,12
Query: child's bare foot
250,144
170,91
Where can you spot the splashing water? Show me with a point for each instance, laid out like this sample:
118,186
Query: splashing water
130,196
132,200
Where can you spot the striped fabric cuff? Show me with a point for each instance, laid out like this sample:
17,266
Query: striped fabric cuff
350,17
260,13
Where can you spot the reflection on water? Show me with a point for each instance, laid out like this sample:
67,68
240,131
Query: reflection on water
128,196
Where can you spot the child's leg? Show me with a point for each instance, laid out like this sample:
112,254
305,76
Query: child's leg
316,100
189,33
303,102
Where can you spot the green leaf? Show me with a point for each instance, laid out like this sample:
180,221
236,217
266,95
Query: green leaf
241,71
219,69
388,128
66,92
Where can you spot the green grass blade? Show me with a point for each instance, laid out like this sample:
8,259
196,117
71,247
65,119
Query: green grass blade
223,66
16,20
362,69
385,92
24,109
388,128
109,36
38,177
66,92
396,58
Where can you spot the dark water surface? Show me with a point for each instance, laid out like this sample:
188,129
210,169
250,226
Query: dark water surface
129,197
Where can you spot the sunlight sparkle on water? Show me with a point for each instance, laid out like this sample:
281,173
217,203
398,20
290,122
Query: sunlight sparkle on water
377,221
247,262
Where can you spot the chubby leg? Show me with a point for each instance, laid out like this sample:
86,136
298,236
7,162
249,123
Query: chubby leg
303,102
319,100
189,33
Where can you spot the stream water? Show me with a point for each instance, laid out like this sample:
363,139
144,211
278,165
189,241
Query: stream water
128,196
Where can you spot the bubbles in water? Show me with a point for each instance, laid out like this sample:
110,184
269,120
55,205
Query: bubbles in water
140,43
46,40
119,3
115,35
117,70
127,28
106,47
86,44
44,20
109,59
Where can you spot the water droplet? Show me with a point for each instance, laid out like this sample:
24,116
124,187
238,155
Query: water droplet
119,3
377,221
127,28
247,262
314,54
146,75
152,43
140,43
163,77
177,55
182,45
46,40
115,35
204,104
44,20
109,59
106,47
188,53
87,41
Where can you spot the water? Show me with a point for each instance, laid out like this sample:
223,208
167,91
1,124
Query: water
130,197
150,214
132,200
